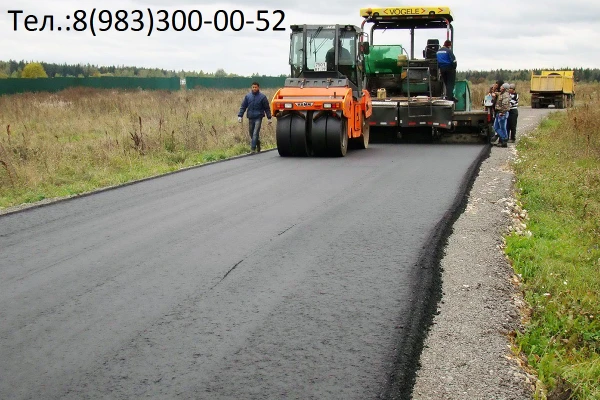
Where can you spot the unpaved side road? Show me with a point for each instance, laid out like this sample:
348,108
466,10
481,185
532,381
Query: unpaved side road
467,352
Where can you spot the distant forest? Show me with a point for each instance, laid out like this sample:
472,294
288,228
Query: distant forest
581,74
13,69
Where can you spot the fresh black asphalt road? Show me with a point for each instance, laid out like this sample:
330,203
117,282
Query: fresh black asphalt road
260,277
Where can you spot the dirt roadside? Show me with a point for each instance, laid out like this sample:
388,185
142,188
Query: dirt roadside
467,353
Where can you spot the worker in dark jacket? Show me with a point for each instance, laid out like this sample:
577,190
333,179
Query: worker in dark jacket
513,115
257,106
447,65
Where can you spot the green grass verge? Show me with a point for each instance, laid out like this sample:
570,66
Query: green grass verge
82,178
558,182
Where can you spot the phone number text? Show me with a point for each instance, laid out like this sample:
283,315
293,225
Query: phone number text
149,21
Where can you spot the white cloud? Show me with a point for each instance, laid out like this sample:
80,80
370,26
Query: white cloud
515,35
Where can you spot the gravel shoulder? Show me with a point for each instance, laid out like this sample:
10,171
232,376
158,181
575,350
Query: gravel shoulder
467,353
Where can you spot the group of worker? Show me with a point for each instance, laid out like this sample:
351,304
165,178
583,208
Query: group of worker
502,101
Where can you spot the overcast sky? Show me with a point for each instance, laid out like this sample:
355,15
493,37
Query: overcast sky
513,34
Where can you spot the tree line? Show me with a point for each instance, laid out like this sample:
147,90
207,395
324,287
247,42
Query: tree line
507,75
15,69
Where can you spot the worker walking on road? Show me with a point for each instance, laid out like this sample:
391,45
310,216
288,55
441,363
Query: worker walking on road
511,123
502,110
257,105
447,65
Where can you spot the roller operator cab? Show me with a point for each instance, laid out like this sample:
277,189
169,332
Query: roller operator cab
323,108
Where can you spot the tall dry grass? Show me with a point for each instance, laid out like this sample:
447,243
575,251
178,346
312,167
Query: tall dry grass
80,139
558,178
580,126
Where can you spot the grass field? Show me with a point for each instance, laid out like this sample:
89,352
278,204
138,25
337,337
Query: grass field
558,183
55,145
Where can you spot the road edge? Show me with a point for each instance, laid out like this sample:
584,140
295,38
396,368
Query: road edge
468,350
412,340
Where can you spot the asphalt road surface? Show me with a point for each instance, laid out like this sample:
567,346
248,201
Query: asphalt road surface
256,278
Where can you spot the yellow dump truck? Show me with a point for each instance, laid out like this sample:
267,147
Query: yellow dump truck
552,88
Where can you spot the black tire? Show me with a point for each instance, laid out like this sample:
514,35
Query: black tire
361,142
319,136
337,136
291,136
298,137
282,135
